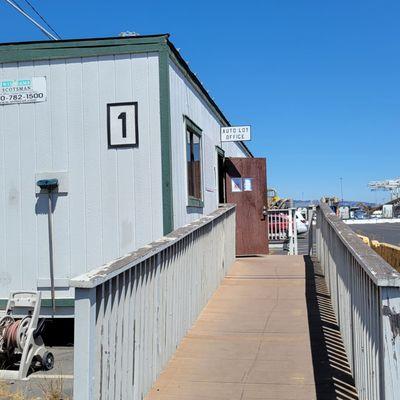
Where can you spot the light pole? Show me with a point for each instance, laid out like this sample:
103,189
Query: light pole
341,188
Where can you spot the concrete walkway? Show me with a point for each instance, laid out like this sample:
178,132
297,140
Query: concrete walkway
252,340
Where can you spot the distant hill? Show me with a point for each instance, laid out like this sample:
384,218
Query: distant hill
350,203
304,203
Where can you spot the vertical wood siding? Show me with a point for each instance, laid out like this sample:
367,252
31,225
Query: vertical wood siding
113,205
185,101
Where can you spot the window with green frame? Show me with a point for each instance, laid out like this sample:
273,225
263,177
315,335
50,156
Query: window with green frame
194,164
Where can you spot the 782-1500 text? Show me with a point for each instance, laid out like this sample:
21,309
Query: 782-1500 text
20,97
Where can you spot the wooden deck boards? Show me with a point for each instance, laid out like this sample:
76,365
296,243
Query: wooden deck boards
261,336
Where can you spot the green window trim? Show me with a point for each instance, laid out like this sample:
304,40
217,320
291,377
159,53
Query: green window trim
193,202
194,129
220,151
192,126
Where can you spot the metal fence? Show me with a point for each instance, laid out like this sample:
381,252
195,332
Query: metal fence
131,314
282,228
365,293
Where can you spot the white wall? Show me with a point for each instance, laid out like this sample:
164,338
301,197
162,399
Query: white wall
233,149
114,203
185,101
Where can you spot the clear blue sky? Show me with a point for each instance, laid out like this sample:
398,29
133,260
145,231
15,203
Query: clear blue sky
319,81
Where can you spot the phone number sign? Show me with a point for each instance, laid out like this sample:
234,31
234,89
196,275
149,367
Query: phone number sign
235,133
30,90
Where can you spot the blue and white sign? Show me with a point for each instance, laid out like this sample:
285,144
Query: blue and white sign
27,90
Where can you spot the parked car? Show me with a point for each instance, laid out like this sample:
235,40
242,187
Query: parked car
280,223
301,223
360,214
377,214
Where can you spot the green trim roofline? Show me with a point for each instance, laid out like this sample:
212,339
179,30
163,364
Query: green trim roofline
50,50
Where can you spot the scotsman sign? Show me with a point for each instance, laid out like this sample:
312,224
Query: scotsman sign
30,90
235,133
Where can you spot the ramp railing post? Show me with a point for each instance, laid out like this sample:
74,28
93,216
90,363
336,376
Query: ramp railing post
85,343
294,231
290,232
310,232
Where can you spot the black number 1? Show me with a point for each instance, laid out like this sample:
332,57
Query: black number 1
123,117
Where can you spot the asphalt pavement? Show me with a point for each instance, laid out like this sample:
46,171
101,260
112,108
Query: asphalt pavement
54,384
388,233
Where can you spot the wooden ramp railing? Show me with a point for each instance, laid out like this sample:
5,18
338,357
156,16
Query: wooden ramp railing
365,293
131,314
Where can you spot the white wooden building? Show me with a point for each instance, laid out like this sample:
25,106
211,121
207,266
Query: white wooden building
122,169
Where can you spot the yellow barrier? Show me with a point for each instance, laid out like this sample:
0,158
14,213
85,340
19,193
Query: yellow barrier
389,252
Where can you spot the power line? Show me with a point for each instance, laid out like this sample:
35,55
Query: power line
20,10
42,18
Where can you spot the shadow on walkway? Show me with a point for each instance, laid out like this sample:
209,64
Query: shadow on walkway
333,378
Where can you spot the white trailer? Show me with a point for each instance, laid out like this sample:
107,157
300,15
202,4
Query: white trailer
130,135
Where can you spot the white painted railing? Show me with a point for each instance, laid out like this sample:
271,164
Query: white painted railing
365,294
131,314
282,228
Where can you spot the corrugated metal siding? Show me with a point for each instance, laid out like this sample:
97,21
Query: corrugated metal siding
185,101
114,201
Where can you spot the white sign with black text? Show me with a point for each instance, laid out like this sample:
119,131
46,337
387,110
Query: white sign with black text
27,90
235,133
122,124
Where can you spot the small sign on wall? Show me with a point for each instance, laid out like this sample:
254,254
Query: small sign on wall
122,124
237,185
248,184
235,133
242,184
27,90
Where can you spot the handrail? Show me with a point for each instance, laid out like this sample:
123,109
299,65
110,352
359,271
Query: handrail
365,296
131,314
99,275
380,272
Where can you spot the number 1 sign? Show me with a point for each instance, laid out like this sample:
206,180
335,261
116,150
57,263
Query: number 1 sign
122,124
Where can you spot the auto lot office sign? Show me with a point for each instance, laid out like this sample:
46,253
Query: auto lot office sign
235,133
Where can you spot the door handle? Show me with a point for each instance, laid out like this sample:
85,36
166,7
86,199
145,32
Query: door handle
264,213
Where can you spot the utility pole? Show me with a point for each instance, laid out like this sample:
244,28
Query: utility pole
341,188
